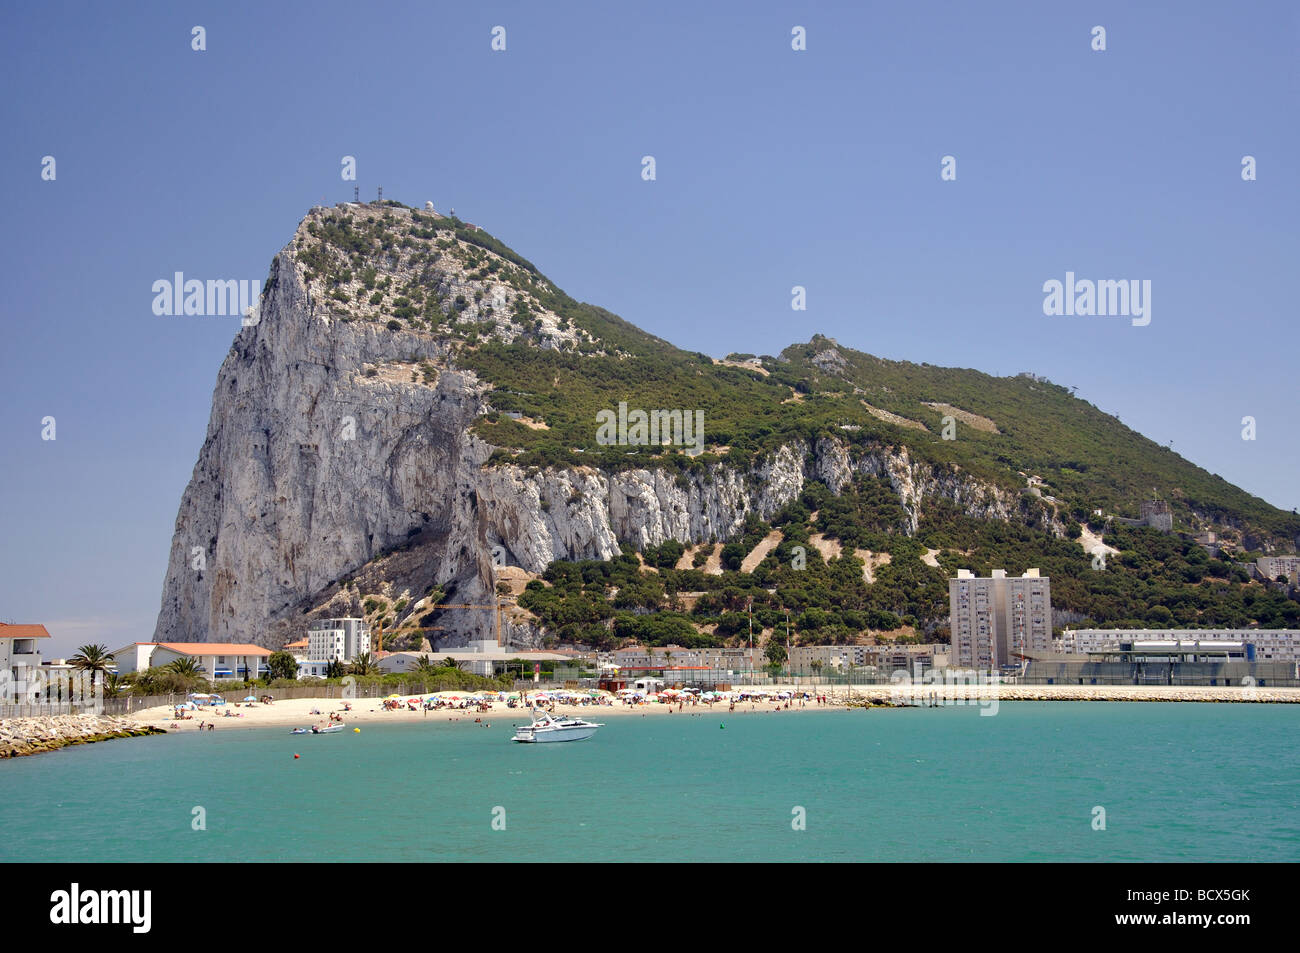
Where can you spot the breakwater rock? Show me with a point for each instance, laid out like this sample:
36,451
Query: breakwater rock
904,696
20,736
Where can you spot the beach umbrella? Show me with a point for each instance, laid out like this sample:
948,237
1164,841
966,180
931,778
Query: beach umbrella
249,698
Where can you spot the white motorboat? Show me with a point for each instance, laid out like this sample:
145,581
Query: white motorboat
547,727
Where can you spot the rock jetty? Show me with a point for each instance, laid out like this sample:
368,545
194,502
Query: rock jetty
20,736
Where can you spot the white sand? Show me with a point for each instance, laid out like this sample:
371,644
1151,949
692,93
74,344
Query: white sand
296,712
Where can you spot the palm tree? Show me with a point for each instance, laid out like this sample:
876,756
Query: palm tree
93,659
114,684
187,667
425,666
363,665
450,662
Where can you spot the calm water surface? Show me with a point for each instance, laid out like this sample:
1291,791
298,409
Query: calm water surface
1178,782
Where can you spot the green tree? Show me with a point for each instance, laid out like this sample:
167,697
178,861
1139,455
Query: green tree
186,668
282,665
363,664
93,659
775,653
426,667
114,684
163,681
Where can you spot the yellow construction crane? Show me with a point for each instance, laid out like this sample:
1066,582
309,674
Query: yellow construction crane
450,605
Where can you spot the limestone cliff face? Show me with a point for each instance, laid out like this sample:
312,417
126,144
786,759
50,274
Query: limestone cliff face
339,449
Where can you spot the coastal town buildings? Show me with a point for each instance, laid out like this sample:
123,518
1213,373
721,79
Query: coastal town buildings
217,660
482,657
994,621
886,659
640,657
1269,645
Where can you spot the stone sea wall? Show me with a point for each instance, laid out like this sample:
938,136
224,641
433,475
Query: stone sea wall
20,736
873,696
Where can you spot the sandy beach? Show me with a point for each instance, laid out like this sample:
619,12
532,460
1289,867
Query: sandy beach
298,712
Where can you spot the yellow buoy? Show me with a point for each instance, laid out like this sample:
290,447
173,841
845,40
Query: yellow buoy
357,730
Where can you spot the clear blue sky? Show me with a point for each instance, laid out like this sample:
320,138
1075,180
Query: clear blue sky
775,168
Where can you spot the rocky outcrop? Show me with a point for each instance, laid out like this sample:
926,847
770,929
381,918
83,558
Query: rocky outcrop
339,447
22,736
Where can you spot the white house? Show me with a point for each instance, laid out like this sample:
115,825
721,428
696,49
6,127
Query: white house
218,660
19,647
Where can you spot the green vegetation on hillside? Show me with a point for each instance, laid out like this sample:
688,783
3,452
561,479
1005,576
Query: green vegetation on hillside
1087,459
1156,581
393,267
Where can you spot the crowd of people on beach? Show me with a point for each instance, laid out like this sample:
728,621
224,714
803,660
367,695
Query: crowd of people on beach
678,699
682,698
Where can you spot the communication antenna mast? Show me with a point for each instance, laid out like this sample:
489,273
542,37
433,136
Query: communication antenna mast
356,194
381,193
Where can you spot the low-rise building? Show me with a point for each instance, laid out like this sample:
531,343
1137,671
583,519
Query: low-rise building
654,658
810,659
216,660
20,647
483,657
1268,645
1271,567
886,658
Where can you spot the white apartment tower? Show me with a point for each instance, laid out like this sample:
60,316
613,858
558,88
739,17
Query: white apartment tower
337,639
995,620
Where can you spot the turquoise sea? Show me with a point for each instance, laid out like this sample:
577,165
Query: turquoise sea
1178,782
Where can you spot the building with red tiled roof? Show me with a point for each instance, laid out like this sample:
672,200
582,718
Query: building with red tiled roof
233,660
18,647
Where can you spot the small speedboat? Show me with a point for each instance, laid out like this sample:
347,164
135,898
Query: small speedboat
545,727
327,730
